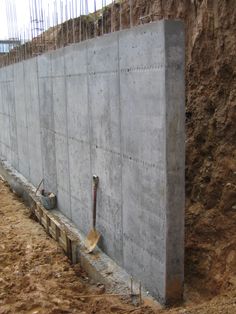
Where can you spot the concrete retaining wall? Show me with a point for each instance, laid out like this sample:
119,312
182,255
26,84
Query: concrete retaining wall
112,106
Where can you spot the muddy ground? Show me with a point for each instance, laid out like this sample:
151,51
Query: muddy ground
37,278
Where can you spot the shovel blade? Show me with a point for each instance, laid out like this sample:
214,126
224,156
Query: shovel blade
91,240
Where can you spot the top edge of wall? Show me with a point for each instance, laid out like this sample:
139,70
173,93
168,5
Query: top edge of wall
85,42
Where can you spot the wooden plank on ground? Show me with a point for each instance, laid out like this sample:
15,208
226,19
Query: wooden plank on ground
58,231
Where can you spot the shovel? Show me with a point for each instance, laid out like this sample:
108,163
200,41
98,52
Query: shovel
93,236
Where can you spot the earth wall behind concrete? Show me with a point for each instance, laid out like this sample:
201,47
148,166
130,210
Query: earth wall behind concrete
114,107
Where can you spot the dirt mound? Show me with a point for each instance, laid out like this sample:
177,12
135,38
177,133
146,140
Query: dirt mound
211,148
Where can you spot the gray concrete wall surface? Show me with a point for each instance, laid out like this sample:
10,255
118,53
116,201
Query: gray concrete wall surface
111,106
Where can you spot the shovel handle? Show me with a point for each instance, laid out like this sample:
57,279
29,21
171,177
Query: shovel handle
39,186
95,187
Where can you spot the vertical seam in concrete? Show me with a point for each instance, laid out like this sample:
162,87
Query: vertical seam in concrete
18,162
14,112
8,115
53,126
89,122
26,119
40,124
67,134
9,118
121,145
